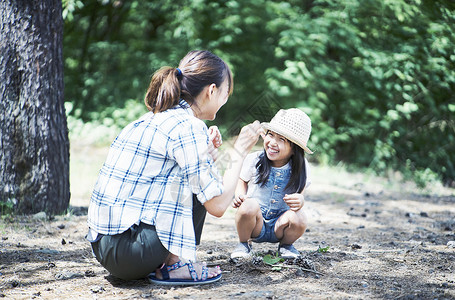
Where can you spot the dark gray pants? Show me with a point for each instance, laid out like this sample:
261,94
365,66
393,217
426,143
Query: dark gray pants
138,251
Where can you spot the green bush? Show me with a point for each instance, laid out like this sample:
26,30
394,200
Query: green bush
104,126
376,77
379,77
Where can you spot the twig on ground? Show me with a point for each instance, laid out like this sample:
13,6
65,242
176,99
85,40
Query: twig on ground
295,267
312,271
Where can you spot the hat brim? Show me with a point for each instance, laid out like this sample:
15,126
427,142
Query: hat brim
288,135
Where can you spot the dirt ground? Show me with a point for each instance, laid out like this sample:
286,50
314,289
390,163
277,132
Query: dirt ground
368,238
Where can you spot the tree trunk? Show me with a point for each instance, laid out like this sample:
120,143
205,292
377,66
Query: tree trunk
34,158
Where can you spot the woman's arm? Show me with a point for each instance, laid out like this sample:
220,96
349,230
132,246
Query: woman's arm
247,138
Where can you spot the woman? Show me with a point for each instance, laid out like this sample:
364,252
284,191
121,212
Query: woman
142,215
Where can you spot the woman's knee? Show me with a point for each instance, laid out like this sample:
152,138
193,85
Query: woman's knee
131,255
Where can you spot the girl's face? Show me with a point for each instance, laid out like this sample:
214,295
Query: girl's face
278,149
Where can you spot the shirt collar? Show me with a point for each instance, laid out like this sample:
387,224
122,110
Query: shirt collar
183,104
285,167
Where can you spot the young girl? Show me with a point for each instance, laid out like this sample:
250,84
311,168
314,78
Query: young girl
269,193
149,203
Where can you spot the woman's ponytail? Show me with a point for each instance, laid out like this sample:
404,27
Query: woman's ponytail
196,70
164,90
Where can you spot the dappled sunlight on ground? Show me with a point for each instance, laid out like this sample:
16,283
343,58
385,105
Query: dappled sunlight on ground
383,240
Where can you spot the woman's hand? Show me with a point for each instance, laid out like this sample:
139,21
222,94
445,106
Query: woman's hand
215,141
238,200
294,201
215,136
247,138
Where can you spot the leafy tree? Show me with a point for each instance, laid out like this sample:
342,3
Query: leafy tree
376,77
378,80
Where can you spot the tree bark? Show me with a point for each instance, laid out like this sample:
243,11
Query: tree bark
34,157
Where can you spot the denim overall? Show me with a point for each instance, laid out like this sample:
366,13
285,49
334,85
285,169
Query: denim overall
270,199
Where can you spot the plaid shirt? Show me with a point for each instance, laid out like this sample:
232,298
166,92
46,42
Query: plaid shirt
153,167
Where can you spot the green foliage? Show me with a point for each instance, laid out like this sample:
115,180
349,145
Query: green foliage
69,6
7,207
376,77
273,261
323,249
379,79
105,125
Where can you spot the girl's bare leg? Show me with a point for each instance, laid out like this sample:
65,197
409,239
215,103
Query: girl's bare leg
290,226
248,220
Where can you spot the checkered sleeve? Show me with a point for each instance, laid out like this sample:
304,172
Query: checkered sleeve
190,151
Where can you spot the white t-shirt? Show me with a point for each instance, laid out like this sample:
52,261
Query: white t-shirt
249,170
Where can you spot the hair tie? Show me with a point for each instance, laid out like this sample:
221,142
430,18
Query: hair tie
179,72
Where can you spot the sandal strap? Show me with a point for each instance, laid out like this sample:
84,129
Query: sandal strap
177,265
192,271
205,272
164,272
166,269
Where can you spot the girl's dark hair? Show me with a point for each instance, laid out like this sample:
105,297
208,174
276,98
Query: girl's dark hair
297,181
196,70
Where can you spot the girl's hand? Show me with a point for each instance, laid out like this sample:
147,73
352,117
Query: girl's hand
294,201
238,200
215,136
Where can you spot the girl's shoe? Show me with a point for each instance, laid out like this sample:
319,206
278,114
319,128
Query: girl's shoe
243,250
288,251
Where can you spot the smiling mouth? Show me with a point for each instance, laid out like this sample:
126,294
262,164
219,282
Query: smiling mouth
272,151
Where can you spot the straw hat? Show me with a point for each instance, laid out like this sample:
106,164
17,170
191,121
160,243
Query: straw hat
293,124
